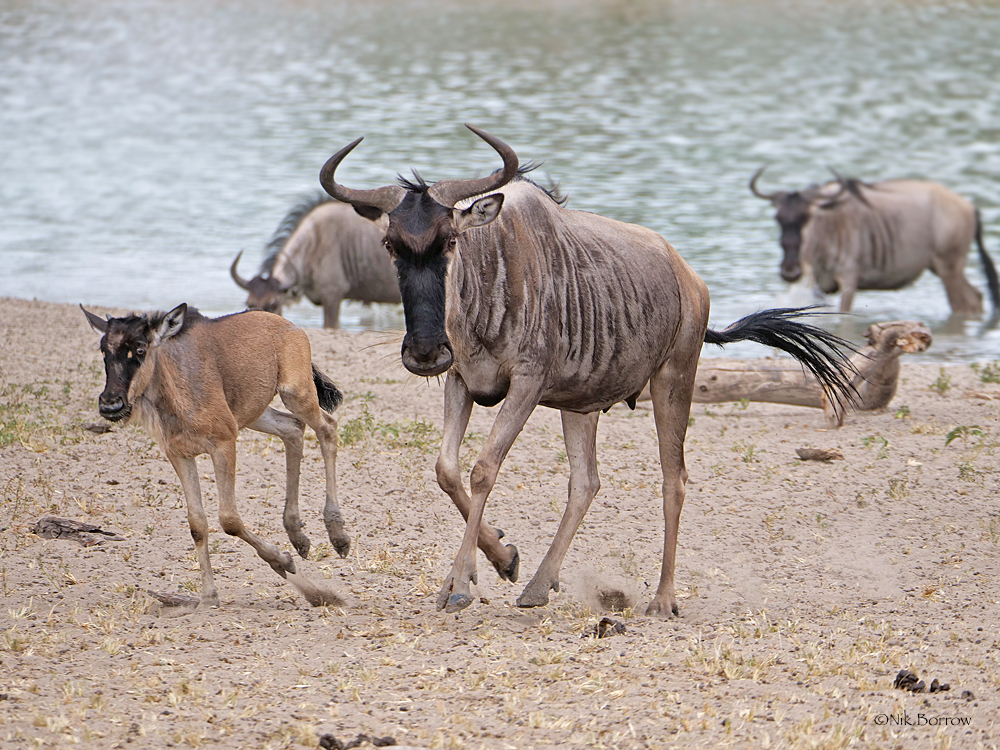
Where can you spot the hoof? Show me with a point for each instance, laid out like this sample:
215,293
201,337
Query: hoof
657,609
457,602
536,595
342,546
302,546
283,565
509,572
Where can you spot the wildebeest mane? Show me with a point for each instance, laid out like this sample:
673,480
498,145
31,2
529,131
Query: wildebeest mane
419,185
287,228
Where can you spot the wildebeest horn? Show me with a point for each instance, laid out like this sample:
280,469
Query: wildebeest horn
753,187
450,192
384,198
240,281
846,186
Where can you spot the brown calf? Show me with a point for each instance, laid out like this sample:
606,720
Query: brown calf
194,383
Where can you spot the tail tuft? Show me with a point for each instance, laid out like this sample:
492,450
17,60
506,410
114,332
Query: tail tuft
329,394
819,351
989,270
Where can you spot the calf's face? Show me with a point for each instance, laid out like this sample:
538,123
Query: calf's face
128,344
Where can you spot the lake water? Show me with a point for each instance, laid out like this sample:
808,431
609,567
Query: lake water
144,142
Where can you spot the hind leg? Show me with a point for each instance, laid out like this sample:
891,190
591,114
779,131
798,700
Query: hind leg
298,393
671,389
963,298
290,430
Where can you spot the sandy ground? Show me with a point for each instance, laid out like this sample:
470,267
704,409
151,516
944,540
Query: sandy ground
805,587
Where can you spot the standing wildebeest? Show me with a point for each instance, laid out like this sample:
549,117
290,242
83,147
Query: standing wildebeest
538,304
851,235
194,383
328,253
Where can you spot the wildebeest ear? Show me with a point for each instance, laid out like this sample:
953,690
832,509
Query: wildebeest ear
97,323
482,212
369,212
171,324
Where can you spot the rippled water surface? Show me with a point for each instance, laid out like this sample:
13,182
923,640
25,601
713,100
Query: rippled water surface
143,143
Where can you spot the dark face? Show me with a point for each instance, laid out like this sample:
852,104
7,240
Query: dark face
124,344
792,216
265,294
421,239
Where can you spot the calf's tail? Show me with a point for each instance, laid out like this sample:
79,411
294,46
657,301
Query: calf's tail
824,354
329,394
988,268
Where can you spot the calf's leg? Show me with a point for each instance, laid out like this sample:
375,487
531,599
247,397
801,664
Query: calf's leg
289,429
298,393
187,471
224,460
580,434
457,410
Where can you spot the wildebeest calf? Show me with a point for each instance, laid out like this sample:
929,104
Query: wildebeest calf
194,383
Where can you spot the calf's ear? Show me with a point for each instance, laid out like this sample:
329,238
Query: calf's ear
480,213
171,324
97,323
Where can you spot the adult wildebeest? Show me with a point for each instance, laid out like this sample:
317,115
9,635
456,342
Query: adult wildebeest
322,249
851,235
194,383
537,304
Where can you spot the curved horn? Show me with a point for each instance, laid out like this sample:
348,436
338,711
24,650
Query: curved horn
384,198
845,186
450,192
753,187
240,281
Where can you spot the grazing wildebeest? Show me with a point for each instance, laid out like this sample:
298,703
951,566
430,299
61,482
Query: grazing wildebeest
193,383
851,235
537,304
322,249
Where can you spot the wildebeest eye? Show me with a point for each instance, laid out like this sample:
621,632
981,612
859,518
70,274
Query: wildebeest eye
140,351
387,245
453,243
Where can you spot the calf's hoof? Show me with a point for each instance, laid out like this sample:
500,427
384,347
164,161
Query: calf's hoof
283,565
455,603
510,571
209,600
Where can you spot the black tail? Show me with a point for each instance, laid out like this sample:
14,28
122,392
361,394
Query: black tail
988,268
329,394
821,352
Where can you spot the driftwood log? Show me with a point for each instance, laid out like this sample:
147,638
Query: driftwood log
785,382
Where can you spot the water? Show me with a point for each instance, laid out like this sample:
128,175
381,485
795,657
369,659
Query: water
144,142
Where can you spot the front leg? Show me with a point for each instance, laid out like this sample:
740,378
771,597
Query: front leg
187,471
522,397
457,410
580,434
